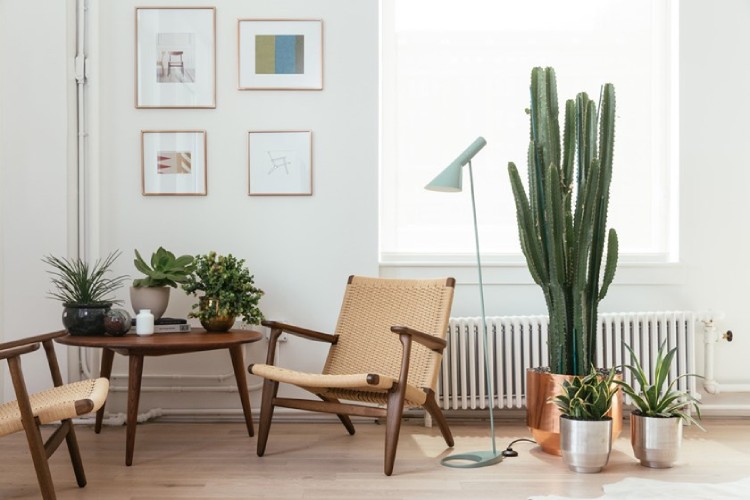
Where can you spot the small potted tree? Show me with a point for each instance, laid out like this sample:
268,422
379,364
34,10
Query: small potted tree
585,427
166,270
85,291
661,410
228,290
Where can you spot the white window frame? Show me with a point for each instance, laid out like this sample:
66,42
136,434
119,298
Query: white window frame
511,268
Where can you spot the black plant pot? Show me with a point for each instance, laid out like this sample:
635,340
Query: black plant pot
85,319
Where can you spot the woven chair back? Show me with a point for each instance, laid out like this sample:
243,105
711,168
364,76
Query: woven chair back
371,306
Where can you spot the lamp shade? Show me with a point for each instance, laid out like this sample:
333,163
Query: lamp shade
449,180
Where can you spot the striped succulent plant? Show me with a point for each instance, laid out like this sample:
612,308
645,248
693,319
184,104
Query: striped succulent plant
562,221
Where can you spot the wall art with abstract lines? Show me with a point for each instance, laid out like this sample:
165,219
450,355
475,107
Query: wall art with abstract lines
173,162
279,163
280,54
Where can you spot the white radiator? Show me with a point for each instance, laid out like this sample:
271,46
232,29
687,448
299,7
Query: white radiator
520,342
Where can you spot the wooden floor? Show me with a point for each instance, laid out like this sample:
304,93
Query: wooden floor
321,461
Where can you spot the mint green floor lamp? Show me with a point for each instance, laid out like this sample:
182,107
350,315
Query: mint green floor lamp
449,180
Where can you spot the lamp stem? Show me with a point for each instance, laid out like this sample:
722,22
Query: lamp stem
488,377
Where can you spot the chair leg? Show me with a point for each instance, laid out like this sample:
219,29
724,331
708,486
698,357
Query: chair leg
343,417
434,410
39,456
270,389
393,425
75,455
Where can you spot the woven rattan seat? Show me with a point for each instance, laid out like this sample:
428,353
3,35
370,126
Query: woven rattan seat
386,350
61,403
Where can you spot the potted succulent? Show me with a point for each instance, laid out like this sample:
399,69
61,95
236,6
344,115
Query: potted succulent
562,228
166,270
85,291
660,411
228,290
585,426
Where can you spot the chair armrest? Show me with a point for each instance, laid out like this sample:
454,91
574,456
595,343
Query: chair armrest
277,328
33,340
301,332
433,343
14,352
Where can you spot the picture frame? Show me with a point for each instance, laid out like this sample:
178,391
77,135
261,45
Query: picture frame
173,162
280,163
175,57
280,54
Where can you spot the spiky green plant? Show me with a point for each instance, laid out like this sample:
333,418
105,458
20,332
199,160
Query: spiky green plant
564,247
589,397
654,399
78,283
165,269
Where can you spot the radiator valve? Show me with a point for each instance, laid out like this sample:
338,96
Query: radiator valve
728,336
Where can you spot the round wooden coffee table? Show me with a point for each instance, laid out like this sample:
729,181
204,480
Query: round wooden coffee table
136,347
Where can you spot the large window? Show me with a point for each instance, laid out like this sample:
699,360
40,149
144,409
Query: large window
452,71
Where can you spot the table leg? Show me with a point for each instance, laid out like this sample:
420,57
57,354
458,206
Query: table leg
105,371
135,372
238,362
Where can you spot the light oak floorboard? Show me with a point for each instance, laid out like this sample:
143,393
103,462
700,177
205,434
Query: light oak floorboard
321,461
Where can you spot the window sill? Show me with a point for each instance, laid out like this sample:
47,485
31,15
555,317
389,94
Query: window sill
509,270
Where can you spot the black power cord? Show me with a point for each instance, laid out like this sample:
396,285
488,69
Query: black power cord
510,452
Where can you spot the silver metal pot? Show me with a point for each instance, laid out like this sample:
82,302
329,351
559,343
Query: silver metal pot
656,441
585,444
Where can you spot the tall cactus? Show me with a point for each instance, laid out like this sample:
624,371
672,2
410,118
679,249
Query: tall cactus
563,247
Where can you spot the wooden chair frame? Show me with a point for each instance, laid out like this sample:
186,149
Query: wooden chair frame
41,450
392,411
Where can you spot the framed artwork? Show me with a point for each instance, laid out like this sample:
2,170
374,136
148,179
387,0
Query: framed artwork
279,163
280,54
173,162
175,62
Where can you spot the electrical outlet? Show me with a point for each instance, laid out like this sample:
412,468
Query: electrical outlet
240,325
267,335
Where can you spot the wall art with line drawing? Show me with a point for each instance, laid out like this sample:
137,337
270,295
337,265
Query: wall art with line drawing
173,162
279,163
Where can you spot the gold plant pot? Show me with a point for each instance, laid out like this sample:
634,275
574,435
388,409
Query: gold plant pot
543,417
217,323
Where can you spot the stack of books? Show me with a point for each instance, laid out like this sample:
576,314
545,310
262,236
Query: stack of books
163,325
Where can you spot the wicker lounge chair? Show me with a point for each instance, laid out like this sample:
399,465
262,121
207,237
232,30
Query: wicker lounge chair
61,403
386,350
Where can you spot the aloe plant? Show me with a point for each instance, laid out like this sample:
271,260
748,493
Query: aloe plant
165,269
563,240
589,397
655,399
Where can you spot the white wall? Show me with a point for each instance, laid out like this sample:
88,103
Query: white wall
716,240
302,249
34,150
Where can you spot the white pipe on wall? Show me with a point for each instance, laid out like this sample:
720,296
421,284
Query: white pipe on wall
710,384
87,362
183,388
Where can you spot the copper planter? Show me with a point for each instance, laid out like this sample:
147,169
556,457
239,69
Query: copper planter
543,417
218,322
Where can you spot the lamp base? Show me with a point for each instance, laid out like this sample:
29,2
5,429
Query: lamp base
472,459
